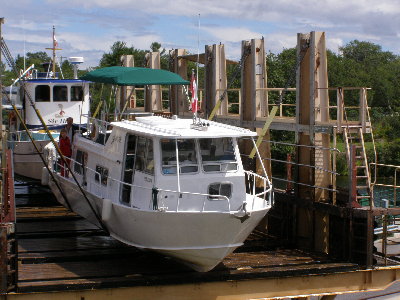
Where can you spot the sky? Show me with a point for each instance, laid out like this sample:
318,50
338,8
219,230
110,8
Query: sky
88,28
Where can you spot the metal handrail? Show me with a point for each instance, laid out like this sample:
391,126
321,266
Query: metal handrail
304,184
394,185
205,195
252,186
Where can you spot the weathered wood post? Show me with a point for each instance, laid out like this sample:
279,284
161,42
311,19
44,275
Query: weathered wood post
153,95
254,97
314,162
215,82
127,93
178,101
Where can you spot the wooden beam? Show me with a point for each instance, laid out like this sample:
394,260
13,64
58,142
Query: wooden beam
178,100
127,93
215,81
193,58
153,92
322,158
303,117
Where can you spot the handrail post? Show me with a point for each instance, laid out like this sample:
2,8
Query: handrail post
384,239
363,109
353,175
340,108
394,188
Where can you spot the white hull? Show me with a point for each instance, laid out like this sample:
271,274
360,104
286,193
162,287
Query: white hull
27,161
199,239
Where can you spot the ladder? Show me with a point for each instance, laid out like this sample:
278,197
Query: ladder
361,188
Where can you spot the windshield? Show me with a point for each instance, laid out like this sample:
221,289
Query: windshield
187,156
218,155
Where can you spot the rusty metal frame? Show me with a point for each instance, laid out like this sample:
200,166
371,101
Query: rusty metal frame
299,286
8,258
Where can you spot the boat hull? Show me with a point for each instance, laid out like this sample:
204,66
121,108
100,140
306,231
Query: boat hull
27,161
200,240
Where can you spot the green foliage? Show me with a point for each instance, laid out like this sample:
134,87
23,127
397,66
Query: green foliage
389,154
7,76
282,74
387,137
119,48
67,69
281,68
36,58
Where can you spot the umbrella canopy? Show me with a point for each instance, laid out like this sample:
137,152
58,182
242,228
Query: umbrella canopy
133,76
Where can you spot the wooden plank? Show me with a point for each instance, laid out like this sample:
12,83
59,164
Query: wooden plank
54,226
67,244
83,275
24,213
141,263
54,256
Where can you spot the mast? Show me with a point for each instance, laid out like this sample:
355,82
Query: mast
54,48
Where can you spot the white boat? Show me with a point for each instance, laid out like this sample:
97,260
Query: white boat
56,99
198,208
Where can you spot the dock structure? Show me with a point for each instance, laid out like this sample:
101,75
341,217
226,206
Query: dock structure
61,255
316,240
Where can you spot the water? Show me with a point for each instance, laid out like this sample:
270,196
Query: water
381,193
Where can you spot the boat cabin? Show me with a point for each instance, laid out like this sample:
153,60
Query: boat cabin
155,163
56,99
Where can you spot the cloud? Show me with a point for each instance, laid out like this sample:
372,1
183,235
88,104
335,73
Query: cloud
92,26
231,34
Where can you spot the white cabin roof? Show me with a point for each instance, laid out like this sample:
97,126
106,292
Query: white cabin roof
182,128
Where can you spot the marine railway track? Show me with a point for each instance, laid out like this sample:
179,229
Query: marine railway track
58,250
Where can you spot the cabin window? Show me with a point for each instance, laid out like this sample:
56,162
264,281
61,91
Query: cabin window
60,93
42,93
80,164
76,93
220,188
218,155
149,157
144,155
187,156
128,168
101,175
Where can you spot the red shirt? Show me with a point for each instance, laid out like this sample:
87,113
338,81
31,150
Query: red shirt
65,146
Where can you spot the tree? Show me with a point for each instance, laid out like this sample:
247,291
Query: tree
6,76
67,69
365,64
35,58
119,48
365,52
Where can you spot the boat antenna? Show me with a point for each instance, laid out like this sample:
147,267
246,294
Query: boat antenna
197,66
23,28
194,82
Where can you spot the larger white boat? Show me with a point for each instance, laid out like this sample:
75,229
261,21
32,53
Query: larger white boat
175,186
167,185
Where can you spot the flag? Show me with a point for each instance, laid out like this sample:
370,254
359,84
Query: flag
193,90
55,43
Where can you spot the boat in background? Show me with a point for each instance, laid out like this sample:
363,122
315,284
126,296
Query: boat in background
56,99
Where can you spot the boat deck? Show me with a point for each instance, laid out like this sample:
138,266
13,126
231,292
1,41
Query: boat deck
58,250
